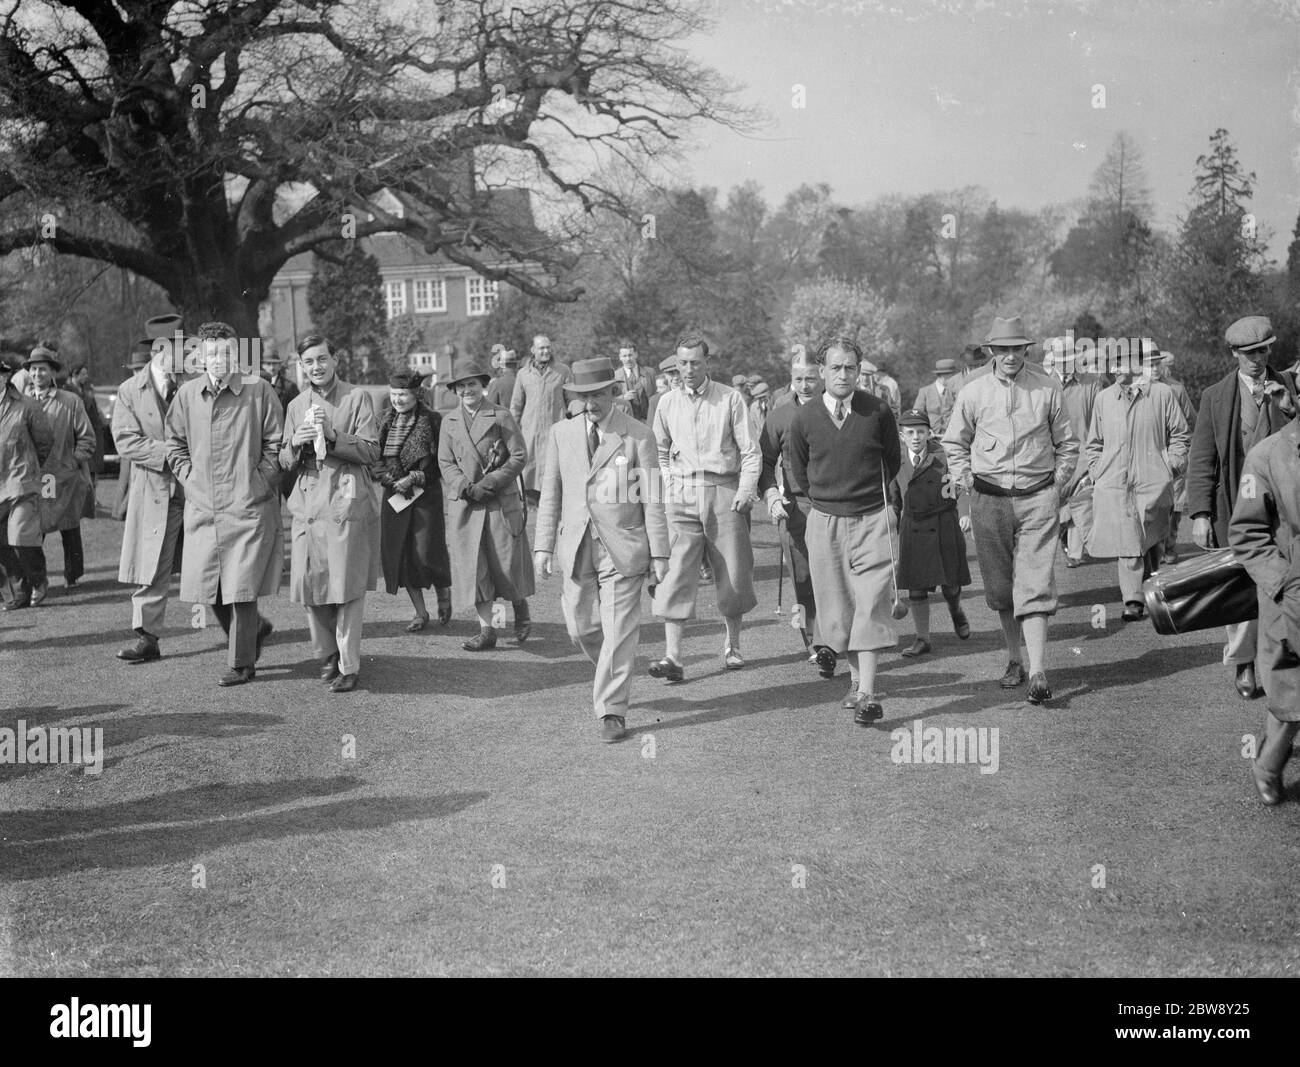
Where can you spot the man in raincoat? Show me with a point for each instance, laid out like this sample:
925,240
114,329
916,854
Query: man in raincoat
331,440
537,404
1137,444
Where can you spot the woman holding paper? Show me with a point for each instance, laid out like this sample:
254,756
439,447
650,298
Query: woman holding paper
412,531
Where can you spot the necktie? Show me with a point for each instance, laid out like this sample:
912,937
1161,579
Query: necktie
839,411
916,459
169,389
593,440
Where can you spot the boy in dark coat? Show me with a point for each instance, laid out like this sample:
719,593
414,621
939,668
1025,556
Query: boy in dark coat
932,525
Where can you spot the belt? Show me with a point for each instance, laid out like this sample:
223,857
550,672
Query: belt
988,488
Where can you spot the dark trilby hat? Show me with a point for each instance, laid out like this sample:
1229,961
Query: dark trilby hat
590,375
40,354
141,354
914,418
466,370
406,380
162,326
1254,331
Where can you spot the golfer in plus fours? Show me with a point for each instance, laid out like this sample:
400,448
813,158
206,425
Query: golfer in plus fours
843,450
1010,441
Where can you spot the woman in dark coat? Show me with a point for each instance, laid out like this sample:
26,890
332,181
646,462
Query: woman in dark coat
412,541
931,529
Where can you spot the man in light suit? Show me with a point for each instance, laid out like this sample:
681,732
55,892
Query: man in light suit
600,492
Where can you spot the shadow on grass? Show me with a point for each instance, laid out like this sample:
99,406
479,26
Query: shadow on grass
780,699
228,822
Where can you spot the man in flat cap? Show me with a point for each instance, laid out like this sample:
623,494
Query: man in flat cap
1245,407
710,464
223,445
600,494
1010,443
68,463
155,513
937,398
673,378
26,441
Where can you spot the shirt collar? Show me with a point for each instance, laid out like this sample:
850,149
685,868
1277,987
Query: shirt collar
325,394
700,390
830,402
232,381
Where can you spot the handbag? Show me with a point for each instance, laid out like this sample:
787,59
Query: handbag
1212,589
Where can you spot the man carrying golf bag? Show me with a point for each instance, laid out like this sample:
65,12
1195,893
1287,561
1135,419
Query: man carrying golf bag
843,450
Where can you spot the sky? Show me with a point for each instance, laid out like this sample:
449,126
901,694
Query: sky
919,96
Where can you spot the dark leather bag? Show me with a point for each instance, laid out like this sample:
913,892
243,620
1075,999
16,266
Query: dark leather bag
1211,589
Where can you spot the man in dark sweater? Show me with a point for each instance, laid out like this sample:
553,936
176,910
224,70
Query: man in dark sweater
842,451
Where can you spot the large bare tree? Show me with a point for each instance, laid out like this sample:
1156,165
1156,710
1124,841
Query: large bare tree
201,144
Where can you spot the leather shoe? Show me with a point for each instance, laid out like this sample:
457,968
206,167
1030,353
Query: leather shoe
1268,784
329,668
1039,691
1071,562
960,624
866,710
850,701
344,683
523,622
1133,611
417,624
237,676
732,659
918,647
667,669
485,639
612,728
1015,676
1247,686
145,650
826,659
39,593
264,629
18,603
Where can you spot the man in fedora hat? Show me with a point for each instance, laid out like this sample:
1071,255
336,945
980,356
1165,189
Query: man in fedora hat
273,371
843,451
26,440
331,441
502,387
481,453
1010,443
68,464
1079,394
223,444
873,379
1137,443
155,513
1245,407
710,464
600,492
936,399
537,404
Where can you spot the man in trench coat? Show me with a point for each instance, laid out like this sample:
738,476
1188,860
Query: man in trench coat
25,443
1249,404
1137,444
68,462
335,512
537,404
1264,533
481,453
223,444
155,512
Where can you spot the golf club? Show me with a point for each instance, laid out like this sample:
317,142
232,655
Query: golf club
899,608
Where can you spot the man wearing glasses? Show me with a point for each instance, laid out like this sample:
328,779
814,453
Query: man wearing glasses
1248,405
1010,444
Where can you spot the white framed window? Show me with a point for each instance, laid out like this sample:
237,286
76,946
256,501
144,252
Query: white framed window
396,294
430,295
480,295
